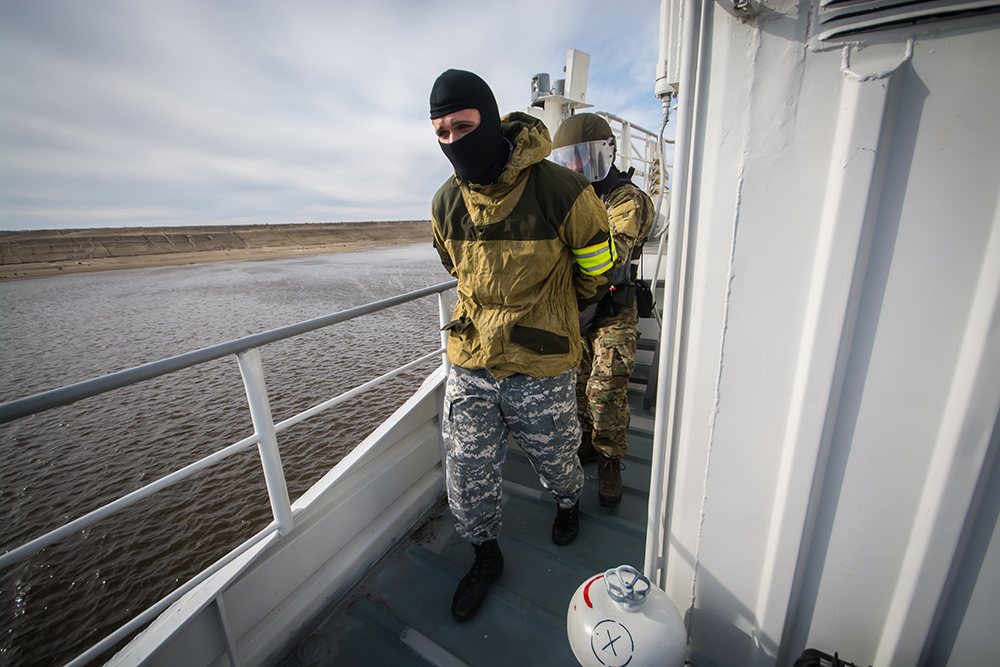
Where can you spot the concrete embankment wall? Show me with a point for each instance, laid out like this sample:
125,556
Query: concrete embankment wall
35,253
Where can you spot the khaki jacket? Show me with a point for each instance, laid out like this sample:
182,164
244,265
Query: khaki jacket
511,245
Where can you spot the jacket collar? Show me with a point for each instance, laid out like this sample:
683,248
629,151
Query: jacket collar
532,144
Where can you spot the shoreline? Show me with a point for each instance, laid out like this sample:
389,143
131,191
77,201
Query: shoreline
65,267
83,251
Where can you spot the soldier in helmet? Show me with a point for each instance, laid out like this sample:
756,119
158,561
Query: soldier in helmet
585,143
529,243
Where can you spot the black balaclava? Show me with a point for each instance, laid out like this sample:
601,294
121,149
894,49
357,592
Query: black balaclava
604,186
481,155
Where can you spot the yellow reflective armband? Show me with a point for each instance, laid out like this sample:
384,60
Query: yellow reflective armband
596,259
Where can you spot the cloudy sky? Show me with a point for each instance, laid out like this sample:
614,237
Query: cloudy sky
176,112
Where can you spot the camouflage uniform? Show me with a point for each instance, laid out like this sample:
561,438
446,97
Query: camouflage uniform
479,412
609,348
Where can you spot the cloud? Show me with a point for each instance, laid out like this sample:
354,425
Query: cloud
116,113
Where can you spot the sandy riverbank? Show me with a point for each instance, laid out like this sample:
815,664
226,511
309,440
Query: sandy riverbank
51,252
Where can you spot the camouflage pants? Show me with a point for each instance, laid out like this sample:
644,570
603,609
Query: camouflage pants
602,381
479,413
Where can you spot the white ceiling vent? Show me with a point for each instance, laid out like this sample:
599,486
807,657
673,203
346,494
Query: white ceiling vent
842,18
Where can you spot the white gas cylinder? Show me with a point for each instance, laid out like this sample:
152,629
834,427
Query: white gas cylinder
618,618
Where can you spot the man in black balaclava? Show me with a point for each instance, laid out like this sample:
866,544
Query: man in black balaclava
483,152
528,241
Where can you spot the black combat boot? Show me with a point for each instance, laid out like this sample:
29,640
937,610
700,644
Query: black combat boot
475,585
609,478
567,525
587,453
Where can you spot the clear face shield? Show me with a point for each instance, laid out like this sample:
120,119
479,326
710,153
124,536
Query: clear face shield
593,159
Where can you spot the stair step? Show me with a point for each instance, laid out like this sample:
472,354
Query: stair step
648,344
641,373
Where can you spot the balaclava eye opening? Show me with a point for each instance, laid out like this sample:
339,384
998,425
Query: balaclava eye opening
481,155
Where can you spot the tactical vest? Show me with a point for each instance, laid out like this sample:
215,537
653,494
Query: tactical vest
625,285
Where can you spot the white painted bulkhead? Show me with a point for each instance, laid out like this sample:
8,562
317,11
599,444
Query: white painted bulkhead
832,479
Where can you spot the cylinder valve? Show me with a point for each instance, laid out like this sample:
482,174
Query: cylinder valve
619,618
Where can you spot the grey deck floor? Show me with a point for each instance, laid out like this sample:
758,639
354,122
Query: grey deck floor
400,613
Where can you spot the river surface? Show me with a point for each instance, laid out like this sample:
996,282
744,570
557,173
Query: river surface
61,464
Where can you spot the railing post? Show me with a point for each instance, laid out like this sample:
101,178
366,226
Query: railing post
625,152
444,315
260,411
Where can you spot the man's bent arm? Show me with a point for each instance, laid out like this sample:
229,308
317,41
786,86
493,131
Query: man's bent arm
586,231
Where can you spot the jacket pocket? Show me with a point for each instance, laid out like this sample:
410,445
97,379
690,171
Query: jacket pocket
458,326
539,341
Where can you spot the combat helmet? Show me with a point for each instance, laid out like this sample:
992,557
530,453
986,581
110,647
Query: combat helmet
585,143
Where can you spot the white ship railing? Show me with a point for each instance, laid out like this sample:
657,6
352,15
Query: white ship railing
639,148
247,351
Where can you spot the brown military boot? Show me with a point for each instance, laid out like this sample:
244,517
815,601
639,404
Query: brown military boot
609,477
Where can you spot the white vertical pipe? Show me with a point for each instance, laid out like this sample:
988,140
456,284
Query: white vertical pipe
444,316
260,411
656,278
654,566
664,229
667,69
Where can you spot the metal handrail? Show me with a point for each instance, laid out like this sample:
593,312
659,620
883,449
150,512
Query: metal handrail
34,546
637,144
75,392
27,549
268,533
89,388
247,351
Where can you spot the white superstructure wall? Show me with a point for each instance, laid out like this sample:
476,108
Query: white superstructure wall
832,477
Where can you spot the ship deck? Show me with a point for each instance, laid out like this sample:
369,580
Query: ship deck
400,612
